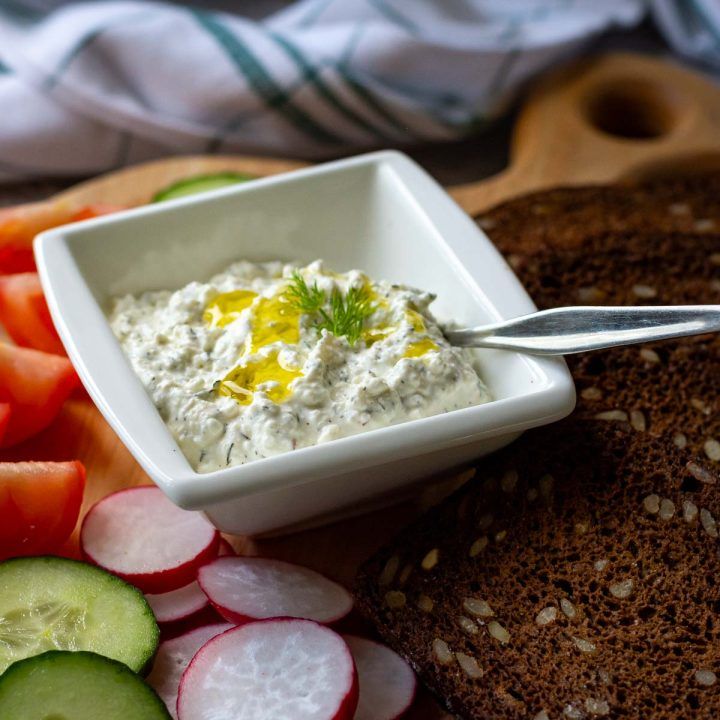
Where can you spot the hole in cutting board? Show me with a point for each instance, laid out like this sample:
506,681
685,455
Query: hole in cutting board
631,109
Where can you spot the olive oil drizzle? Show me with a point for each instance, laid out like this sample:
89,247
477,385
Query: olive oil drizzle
277,319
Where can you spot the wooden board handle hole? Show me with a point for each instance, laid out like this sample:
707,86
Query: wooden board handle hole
632,110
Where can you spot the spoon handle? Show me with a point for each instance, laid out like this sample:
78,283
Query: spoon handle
568,330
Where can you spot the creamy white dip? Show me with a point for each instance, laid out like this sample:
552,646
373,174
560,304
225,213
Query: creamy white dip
239,373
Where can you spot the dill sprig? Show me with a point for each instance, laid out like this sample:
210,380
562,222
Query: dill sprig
305,298
341,314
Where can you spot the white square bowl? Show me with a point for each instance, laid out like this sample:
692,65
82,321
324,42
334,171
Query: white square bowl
380,213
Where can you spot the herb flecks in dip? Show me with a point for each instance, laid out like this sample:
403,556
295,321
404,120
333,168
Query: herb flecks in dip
267,357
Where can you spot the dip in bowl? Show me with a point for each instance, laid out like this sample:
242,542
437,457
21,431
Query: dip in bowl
378,212
267,358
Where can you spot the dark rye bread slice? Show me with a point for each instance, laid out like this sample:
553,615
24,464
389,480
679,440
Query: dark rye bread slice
671,387
564,217
575,577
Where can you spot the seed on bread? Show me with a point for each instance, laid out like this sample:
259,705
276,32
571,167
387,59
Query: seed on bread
546,615
469,665
405,574
478,607
430,560
622,589
469,626
667,509
645,292
637,420
690,511
442,652
712,449
700,406
478,546
584,645
612,415
651,503
704,225
649,355
425,603
701,474
597,707
395,599
591,393
568,608
707,520
388,572
705,677
498,632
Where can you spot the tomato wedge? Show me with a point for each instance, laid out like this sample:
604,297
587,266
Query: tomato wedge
4,418
35,384
25,314
39,505
19,226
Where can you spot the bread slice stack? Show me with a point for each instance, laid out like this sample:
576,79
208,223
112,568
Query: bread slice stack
578,574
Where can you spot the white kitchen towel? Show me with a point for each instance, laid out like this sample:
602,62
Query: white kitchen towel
692,27
90,86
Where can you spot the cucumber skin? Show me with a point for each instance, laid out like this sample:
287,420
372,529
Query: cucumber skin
119,667
147,667
185,186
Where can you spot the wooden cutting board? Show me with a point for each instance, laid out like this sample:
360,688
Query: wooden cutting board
620,117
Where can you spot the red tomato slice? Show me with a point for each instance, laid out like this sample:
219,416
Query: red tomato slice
4,418
25,314
36,384
19,226
39,505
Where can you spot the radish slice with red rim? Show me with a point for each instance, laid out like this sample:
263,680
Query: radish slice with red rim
177,604
141,536
243,589
387,682
173,656
271,669
225,548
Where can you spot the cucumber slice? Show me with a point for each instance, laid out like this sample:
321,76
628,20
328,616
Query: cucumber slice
51,603
61,685
200,183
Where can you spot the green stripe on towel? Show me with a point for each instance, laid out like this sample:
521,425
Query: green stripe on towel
262,83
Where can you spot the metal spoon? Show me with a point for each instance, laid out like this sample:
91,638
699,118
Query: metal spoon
568,330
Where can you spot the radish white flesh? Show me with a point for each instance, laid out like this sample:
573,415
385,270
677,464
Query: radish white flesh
173,656
387,682
280,669
242,589
141,536
177,604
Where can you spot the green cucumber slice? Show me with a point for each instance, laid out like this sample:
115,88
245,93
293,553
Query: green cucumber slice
200,183
51,603
61,685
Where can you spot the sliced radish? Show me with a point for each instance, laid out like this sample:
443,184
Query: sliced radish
141,536
243,589
183,603
268,670
177,604
173,656
387,682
